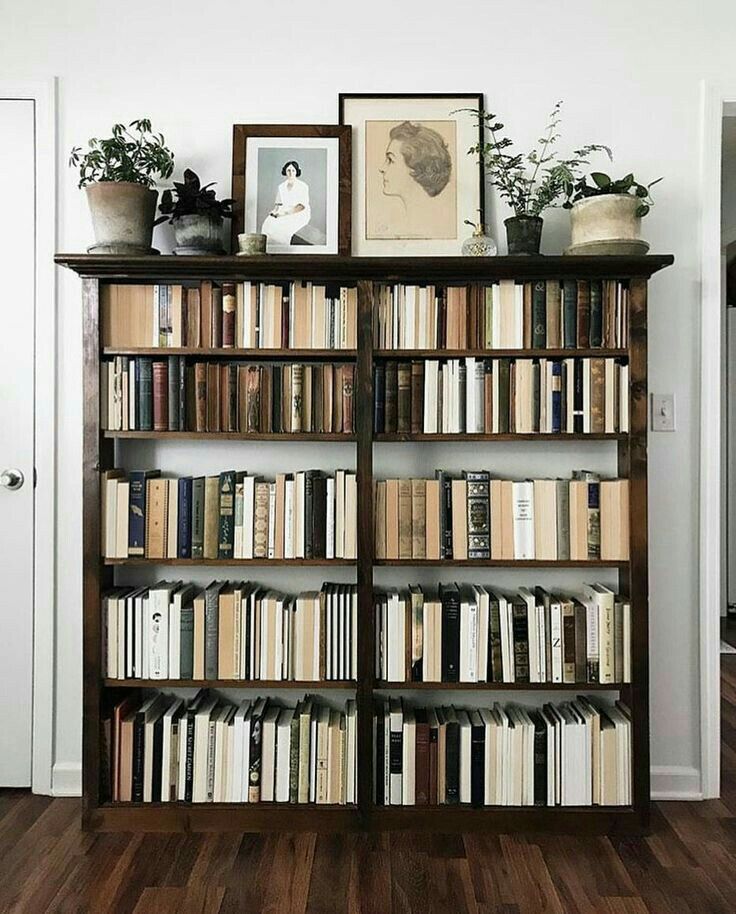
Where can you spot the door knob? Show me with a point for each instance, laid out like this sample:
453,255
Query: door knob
12,479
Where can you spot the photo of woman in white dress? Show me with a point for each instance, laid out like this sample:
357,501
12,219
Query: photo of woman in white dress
291,211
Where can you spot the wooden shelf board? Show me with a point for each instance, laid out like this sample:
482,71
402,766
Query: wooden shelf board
304,685
235,436
510,436
330,355
132,560
384,686
408,354
500,563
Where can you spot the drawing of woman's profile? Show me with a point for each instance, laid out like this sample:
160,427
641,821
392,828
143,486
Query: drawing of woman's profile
417,176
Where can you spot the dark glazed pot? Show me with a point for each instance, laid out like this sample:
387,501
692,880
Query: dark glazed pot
524,234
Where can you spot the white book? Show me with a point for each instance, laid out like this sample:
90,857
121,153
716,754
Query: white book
272,520
299,514
468,636
283,754
289,519
495,399
159,600
330,519
623,388
237,782
396,720
568,366
409,755
340,514
465,755
556,639
518,316
167,747
238,515
175,638
122,512
470,399
431,381
586,396
172,530
140,642
523,519
396,638
410,311
350,750
201,750
249,490
132,418
268,753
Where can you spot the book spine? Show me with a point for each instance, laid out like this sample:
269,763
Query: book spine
137,513
452,763
184,518
173,393
539,315
450,636
228,315
520,626
479,515
186,643
160,397
540,763
138,754
477,766
417,397
254,771
200,397
392,396
348,377
226,537
583,313
296,409
403,420
144,385
421,795
211,631
379,399
198,517
596,313
556,418
569,314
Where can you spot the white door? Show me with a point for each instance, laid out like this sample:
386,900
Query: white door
17,302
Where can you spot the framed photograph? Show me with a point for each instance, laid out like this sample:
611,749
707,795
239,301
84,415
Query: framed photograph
413,180
292,183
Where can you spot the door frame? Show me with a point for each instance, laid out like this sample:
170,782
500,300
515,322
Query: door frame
717,100
43,95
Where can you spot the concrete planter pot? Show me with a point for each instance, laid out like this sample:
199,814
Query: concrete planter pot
123,214
198,234
607,224
523,234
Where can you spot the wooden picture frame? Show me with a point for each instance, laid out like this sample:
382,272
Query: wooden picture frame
332,222
411,209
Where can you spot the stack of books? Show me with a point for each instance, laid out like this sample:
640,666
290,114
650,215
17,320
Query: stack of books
476,517
469,633
207,315
501,396
230,630
146,394
208,750
572,314
303,515
573,754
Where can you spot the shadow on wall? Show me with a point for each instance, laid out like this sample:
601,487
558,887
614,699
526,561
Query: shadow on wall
731,275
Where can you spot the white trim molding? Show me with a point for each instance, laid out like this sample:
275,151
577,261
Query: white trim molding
43,95
66,780
676,782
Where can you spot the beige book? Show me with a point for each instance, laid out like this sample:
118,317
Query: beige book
502,519
578,520
405,518
380,518
122,515
615,520
198,636
280,517
392,518
459,519
157,497
351,516
597,396
127,316
507,305
334,739
545,519
211,516
172,520
322,754
610,422
432,518
176,316
226,635
302,305
205,312
608,763
260,521
554,297
418,519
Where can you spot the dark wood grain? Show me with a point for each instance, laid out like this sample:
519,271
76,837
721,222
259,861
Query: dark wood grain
498,563
303,685
501,686
403,354
135,560
236,436
263,355
482,436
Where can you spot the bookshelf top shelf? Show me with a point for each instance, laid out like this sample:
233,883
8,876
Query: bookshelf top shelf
338,269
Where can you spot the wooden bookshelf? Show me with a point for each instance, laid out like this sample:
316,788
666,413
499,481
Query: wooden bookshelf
99,450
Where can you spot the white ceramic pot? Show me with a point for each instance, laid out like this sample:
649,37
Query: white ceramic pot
123,214
606,224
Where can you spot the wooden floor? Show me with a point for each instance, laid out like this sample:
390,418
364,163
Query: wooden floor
686,864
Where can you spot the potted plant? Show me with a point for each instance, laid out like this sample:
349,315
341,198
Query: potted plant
531,182
118,175
196,215
605,216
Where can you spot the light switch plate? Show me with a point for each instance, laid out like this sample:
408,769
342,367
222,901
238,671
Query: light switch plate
663,412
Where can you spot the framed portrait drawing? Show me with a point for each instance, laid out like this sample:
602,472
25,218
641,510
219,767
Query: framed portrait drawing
292,183
413,180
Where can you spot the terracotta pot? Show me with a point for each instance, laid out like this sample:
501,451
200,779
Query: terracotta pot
606,224
198,234
123,214
524,234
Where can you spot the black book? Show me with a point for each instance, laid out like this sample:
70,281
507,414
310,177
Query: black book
256,742
139,724
539,315
520,628
479,513
380,761
183,394
540,759
211,628
504,397
158,748
197,517
450,597
577,402
174,361
495,663
596,313
276,397
569,314
186,641
581,643
477,759
319,517
184,519
144,391
391,398
379,398
309,478
452,758
445,514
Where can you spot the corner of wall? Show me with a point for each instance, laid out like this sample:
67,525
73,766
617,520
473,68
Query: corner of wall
66,779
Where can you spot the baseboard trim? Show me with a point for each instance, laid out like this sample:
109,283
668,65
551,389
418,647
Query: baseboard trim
676,782
66,780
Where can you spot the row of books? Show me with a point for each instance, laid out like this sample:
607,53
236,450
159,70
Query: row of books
208,750
574,754
250,315
549,314
500,396
468,633
230,630
476,517
146,394
302,515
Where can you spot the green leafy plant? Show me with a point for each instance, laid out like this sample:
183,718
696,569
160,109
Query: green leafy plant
192,199
603,184
133,153
532,182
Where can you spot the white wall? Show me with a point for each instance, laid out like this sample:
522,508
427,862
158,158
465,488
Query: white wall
629,74
728,182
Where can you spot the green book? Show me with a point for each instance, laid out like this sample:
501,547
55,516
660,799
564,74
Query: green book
570,314
186,642
596,313
198,517
539,315
226,537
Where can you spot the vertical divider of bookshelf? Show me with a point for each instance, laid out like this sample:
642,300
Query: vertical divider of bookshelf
363,400
633,462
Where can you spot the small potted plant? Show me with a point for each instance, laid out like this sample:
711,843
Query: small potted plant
530,183
196,215
605,215
118,175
